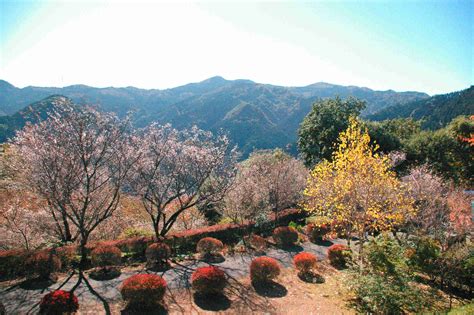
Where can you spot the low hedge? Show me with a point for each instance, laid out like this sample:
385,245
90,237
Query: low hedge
12,261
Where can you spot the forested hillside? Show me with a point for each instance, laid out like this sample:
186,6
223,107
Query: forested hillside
436,111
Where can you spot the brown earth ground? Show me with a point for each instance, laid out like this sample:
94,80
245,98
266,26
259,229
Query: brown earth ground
289,295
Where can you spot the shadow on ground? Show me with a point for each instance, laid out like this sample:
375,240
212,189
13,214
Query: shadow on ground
270,289
218,302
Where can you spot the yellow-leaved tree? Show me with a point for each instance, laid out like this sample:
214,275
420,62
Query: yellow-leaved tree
357,190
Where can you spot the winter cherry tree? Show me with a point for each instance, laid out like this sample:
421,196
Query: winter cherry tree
182,169
268,181
77,160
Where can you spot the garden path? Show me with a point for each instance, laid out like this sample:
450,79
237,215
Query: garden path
20,300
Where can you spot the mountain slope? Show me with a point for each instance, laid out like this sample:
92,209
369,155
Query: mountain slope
436,111
255,115
34,113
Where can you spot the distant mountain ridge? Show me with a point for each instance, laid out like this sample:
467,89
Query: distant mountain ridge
33,113
255,115
13,99
435,112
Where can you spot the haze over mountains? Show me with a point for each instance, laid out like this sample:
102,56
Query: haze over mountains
255,115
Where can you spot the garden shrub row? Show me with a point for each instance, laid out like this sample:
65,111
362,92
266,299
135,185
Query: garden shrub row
12,262
148,290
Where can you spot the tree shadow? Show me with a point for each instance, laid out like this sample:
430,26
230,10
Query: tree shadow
213,259
270,289
321,242
103,274
311,277
292,248
159,267
215,302
135,309
36,283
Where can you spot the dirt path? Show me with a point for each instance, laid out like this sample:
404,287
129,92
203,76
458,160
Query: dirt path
94,295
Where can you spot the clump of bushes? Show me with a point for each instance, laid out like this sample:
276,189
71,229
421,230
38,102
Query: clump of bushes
423,254
143,289
455,267
59,302
209,247
285,236
384,286
316,232
43,264
305,262
339,255
264,269
134,232
257,242
208,280
104,256
106,259
137,245
157,254
12,263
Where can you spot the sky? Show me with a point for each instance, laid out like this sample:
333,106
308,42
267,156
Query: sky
400,45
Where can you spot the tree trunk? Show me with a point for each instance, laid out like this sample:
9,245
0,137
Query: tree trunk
67,231
83,250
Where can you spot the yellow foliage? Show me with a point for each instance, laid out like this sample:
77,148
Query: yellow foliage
357,188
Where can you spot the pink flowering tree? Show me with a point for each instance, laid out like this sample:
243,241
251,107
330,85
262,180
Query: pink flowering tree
268,181
180,170
77,160
429,192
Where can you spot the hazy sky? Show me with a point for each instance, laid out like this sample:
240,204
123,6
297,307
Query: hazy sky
400,45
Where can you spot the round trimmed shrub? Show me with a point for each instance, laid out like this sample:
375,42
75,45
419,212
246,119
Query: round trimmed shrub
285,236
263,269
316,232
43,263
157,253
209,246
258,242
208,280
339,255
144,289
59,302
305,262
104,256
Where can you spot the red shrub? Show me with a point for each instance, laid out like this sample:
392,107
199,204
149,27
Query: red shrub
316,232
59,302
157,253
257,242
43,263
305,262
209,246
106,256
208,280
263,269
144,289
285,236
339,255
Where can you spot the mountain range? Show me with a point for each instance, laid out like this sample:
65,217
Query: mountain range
255,115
